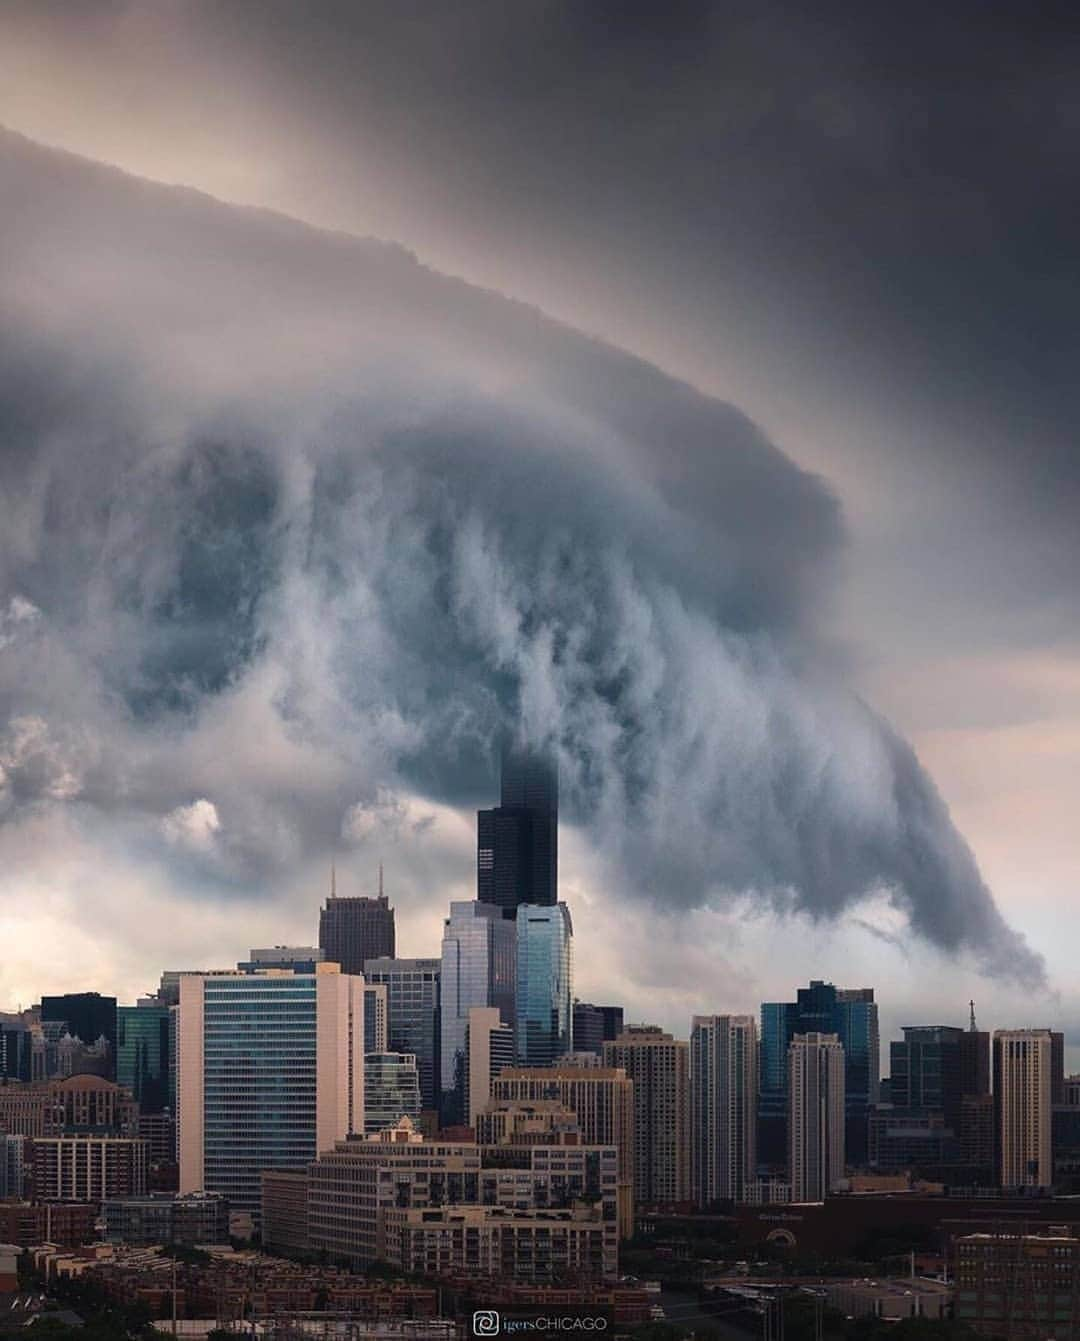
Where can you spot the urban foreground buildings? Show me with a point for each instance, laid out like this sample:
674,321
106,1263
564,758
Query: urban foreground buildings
270,1073
723,1106
412,1014
601,1098
658,1066
815,1115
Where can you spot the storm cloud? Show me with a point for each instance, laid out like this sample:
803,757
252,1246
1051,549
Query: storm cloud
293,527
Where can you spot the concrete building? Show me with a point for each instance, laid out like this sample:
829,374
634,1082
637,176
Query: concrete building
1024,1065
890,1299
285,1211
270,1074
523,1246
723,1106
478,968
412,1014
601,1097
659,1067
490,1050
87,1104
350,1188
815,1115
88,1168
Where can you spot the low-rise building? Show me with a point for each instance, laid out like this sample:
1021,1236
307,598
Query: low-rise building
83,1167
1019,1285
189,1220
517,1245
891,1299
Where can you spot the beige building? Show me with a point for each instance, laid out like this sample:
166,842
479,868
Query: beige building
602,1098
723,1106
270,1073
1023,1100
659,1067
83,1167
815,1115
527,1247
350,1188
489,1050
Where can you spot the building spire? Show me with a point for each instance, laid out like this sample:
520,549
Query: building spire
380,881
333,880
971,1026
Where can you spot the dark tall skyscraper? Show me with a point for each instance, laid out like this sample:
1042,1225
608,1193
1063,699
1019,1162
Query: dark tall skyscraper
352,930
596,1025
142,1054
88,1016
821,1008
518,841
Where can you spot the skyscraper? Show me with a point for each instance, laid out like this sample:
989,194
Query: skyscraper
478,968
851,1014
142,1053
270,1073
1023,1106
659,1067
412,1014
543,1022
816,1123
517,855
723,1106
352,930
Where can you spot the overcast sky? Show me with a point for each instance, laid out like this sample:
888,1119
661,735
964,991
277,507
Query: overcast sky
854,226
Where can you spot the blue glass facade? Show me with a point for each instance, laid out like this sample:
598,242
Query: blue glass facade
142,1054
852,1015
543,1017
412,1014
259,1082
478,968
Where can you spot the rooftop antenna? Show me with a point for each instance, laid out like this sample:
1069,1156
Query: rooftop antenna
333,880
971,1026
380,881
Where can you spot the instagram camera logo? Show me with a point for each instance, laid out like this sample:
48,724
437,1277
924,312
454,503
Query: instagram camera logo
485,1322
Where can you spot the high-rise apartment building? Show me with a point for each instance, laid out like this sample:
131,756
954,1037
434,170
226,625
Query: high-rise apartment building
142,1053
658,1065
543,1021
723,1106
602,1099
851,1014
518,841
270,1073
816,1122
391,1090
478,968
412,1014
1024,1066
355,929
489,1052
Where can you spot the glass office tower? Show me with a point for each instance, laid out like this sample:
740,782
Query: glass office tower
412,1014
391,1090
142,1053
478,968
543,1017
852,1015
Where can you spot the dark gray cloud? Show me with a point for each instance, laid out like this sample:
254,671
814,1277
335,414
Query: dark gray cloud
293,526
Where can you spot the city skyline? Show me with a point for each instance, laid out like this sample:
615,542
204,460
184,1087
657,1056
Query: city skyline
772,545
